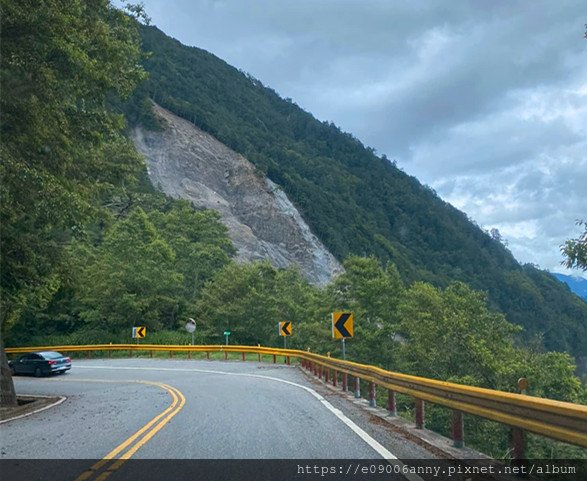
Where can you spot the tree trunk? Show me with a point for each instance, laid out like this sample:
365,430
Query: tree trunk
7,393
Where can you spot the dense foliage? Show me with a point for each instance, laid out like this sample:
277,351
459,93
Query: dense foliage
354,201
62,147
146,265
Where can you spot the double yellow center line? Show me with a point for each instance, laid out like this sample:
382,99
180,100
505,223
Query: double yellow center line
125,450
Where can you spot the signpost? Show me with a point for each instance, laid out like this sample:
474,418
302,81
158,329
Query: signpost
226,334
342,328
284,329
190,327
138,332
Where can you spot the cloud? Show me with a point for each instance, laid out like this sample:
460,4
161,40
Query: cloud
485,101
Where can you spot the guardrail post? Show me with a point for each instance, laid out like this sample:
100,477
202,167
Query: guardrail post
88,354
189,354
420,414
109,354
170,354
391,403
372,401
259,356
457,429
243,356
357,387
326,375
288,361
207,355
334,377
518,444
320,368
315,369
225,355
151,354
345,381
130,353
274,359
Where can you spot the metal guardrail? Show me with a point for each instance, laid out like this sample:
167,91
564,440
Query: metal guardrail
558,420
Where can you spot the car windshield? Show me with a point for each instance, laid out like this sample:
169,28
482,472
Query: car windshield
50,355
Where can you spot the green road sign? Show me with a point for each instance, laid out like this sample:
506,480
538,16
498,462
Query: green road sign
227,333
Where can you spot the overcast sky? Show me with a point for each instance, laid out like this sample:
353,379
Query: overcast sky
485,101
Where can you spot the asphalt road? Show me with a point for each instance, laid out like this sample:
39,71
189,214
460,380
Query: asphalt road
202,410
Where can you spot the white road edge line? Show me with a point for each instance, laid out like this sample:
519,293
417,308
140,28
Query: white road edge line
375,445
56,403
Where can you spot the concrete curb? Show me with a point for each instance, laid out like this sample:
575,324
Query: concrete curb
56,403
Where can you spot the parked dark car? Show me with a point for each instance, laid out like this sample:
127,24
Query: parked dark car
40,363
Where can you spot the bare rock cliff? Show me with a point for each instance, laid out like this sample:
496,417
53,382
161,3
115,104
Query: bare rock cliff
185,162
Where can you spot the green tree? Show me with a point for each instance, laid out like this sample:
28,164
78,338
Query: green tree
132,279
61,144
450,334
373,294
200,242
575,250
250,299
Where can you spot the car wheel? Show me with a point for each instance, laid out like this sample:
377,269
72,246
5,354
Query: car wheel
38,372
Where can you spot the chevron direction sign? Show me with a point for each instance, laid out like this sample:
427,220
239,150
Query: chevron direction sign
285,328
139,332
342,325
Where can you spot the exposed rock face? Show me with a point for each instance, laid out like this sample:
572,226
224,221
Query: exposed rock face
185,162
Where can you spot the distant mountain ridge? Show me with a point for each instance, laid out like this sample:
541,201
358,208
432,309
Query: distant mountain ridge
352,200
578,285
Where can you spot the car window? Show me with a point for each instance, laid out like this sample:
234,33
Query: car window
28,357
51,355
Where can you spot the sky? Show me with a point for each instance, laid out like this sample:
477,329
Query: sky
483,100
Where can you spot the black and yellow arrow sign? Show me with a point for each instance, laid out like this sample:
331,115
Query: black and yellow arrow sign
342,325
285,328
139,332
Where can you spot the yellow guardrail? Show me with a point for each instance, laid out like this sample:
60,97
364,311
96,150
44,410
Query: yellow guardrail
558,420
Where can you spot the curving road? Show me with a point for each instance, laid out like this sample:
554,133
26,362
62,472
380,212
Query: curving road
180,409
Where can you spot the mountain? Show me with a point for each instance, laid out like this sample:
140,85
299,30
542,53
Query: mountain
578,285
352,200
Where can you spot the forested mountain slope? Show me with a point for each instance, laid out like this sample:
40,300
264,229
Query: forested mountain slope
354,201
